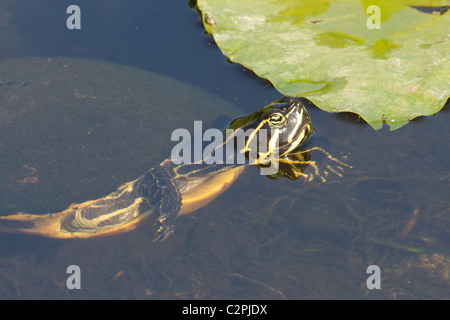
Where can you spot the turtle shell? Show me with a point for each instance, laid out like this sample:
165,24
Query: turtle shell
76,129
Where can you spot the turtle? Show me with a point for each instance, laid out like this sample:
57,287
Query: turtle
174,189
72,128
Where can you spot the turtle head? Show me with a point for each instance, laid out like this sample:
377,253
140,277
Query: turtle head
289,121
286,122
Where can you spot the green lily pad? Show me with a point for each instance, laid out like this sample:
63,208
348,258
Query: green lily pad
325,51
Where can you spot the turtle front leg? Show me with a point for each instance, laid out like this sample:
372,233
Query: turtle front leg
159,189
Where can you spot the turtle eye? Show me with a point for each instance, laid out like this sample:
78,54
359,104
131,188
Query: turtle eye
276,119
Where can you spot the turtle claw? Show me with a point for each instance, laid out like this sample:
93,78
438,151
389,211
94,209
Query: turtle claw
163,233
166,221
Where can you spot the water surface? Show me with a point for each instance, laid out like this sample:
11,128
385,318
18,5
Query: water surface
263,238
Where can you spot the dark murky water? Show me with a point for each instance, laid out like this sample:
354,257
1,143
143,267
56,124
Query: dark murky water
262,239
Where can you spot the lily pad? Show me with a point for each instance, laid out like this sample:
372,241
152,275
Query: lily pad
331,52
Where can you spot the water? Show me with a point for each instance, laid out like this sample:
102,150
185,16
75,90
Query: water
262,239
